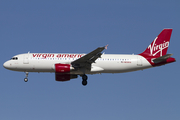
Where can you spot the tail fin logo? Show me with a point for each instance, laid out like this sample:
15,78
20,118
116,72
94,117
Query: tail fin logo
155,49
159,46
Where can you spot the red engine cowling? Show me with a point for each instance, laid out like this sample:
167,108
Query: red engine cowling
62,68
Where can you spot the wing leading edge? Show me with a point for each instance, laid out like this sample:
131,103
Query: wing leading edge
86,61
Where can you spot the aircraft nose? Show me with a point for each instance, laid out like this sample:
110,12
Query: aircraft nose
6,65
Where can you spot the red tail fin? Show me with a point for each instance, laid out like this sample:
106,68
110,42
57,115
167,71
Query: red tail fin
160,45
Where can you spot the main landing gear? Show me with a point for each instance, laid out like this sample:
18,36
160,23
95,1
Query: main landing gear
84,80
26,78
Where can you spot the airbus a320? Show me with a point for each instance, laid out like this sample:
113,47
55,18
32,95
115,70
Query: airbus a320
68,66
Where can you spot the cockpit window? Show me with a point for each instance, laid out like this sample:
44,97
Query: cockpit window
14,58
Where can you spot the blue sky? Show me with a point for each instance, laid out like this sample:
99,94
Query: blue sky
79,27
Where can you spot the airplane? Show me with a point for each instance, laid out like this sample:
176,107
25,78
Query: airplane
68,66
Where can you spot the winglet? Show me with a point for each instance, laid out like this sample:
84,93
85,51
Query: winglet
106,46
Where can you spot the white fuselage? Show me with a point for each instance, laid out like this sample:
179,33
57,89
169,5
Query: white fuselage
108,63
69,66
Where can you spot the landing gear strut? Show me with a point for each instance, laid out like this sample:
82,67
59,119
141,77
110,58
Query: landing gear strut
84,80
26,79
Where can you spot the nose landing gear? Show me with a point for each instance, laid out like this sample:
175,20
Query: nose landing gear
84,78
26,79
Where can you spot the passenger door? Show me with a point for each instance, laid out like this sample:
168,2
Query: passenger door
26,59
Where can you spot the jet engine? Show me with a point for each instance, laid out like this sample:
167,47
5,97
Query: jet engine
62,72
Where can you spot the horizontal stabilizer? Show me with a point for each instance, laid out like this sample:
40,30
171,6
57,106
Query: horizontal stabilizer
162,58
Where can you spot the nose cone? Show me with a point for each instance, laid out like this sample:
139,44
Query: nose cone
6,65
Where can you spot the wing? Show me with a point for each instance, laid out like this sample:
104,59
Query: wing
88,59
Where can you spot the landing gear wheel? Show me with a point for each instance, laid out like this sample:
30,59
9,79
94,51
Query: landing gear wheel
25,79
84,77
84,82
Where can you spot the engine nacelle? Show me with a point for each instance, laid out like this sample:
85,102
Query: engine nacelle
62,68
